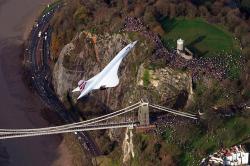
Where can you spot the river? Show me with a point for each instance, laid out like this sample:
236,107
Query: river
19,107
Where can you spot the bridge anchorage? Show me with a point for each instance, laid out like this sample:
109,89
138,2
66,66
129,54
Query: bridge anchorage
136,115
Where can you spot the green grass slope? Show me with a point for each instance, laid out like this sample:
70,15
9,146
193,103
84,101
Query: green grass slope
202,38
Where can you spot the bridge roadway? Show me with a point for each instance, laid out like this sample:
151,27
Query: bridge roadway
41,81
93,121
78,129
98,123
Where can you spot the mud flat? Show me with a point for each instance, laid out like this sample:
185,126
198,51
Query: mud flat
19,107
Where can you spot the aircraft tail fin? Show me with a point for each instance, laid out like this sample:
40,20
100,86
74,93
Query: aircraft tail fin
81,86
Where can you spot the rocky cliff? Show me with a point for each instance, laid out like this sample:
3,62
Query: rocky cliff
139,75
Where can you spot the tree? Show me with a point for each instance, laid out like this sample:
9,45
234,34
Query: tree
139,10
149,17
80,15
201,2
162,7
246,52
241,29
172,10
245,40
216,8
245,5
182,9
191,10
233,20
203,12
54,47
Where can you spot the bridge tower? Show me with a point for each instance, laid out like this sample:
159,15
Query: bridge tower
143,114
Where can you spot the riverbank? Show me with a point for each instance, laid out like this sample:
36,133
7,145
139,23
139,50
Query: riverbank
20,108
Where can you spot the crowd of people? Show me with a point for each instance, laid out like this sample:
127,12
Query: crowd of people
211,67
136,25
202,66
172,120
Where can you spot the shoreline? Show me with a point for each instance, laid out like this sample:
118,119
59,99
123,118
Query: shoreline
30,22
22,105
65,154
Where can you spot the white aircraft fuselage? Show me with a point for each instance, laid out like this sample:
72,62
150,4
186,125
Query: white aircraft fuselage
107,77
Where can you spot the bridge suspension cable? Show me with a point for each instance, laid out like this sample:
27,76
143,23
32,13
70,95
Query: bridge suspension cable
184,114
67,131
91,124
169,109
78,124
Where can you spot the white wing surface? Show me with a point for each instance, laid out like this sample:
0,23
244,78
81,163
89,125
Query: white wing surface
90,81
111,78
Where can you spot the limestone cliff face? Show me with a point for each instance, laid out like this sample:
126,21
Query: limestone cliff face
63,77
140,76
165,82
86,55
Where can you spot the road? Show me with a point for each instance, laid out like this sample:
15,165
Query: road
36,57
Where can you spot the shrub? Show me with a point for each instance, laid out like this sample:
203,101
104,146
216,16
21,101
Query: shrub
146,77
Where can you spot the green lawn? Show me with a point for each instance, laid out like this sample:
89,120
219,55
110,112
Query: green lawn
202,38
193,144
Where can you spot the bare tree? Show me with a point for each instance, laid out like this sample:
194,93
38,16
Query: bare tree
172,11
203,12
191,10
162,7
245,40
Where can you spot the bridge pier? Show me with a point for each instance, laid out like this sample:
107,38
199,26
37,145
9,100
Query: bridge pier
143,114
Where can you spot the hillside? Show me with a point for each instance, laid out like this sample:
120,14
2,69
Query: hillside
87,35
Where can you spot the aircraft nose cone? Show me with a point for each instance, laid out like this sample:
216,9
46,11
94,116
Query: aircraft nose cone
134,43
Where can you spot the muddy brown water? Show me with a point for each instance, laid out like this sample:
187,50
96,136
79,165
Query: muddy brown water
19,107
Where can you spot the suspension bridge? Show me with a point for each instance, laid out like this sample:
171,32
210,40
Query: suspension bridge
135,115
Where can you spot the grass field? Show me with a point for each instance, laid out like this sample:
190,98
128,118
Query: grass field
193,144
202,38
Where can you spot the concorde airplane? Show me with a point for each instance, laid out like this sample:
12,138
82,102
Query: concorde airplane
108,77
